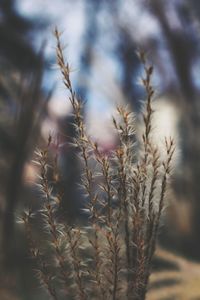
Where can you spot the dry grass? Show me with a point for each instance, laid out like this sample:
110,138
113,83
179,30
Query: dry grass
111,257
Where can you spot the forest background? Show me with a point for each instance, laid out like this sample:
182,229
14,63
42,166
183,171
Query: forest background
102,38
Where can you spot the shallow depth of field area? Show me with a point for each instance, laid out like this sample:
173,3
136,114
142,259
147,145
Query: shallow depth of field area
100,151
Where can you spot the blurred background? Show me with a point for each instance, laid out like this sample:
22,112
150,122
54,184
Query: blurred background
101,39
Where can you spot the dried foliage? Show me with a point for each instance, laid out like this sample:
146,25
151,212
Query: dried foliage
109,257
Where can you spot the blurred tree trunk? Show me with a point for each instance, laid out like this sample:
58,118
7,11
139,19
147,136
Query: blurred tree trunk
184,52
21,95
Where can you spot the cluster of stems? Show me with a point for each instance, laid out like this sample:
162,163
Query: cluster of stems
110,258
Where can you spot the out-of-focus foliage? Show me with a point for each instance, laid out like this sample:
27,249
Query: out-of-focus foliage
22,103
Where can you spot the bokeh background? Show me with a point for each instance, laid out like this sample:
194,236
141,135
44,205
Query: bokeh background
101,39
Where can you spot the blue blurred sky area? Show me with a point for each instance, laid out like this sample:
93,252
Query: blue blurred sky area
71,19
94,33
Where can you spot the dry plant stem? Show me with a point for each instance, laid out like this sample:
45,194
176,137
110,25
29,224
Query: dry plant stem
65,70
170,148
112,234
81,140
116,262
124,204
56,245
113,229
107,186
135,218
122,155
44,275
74,241
142,243
151,214
73,238
83,143
49,213
87,184
114,256
97,273
155,165
138,255
147,117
